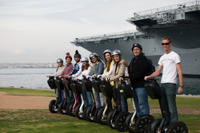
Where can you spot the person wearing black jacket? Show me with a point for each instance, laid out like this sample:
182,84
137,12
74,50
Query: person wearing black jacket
138,68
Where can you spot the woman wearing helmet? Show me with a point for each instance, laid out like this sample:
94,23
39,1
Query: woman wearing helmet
107,71
85,72
97,68
118,72
77,66
60,67
59,70
52,83
64,77
108,63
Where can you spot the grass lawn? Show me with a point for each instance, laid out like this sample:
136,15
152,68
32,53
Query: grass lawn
41,121
28,92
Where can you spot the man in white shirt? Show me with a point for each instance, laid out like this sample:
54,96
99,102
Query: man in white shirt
170,63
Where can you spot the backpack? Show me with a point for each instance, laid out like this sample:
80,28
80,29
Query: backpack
151,66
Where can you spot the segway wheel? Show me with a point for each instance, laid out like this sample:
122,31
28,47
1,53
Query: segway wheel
177,127
127,120
86,112
69,108
92,112
76,111
105,117
109,117
143,123
99,115
153,128
119,122
53,107
64,108
95,115
112,119
81,114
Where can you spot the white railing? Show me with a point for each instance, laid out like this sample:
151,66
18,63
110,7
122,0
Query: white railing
108,36
166,8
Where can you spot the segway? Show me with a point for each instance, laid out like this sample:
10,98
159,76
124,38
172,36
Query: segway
132,122
154,91
67,104
74,109
63,107
113,114
87,85
93,112
126,92
80,113
54,107
51,82
106,89
52,104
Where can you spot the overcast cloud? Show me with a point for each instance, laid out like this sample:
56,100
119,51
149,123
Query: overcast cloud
41,30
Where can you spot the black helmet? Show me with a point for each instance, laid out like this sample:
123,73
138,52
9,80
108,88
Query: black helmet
116,52
136,45
107,51
59,60
77,54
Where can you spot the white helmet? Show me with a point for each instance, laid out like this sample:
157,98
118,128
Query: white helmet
95,54
59,60
116,52
91,55
107,51
85,59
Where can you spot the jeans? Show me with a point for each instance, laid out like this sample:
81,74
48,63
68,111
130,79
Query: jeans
68,94
141,101
121,102
99,99
59,96
124,104
109,102
87,96
90,99
59,93
168,103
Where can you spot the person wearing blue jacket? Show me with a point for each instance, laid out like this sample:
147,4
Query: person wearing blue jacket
97,69
77,70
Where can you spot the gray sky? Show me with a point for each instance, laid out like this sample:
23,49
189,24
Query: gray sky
41,30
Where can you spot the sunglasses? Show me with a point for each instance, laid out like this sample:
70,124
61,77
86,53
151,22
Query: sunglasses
166,43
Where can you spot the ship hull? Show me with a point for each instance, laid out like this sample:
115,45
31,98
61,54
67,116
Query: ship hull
152,49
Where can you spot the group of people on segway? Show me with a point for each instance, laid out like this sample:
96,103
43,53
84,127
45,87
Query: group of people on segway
97,90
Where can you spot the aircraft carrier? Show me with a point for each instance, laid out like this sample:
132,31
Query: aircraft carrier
180,22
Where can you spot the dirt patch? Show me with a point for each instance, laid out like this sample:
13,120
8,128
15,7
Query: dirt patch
40,102
23,102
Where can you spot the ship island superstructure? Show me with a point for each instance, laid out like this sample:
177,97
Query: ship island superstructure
180,22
